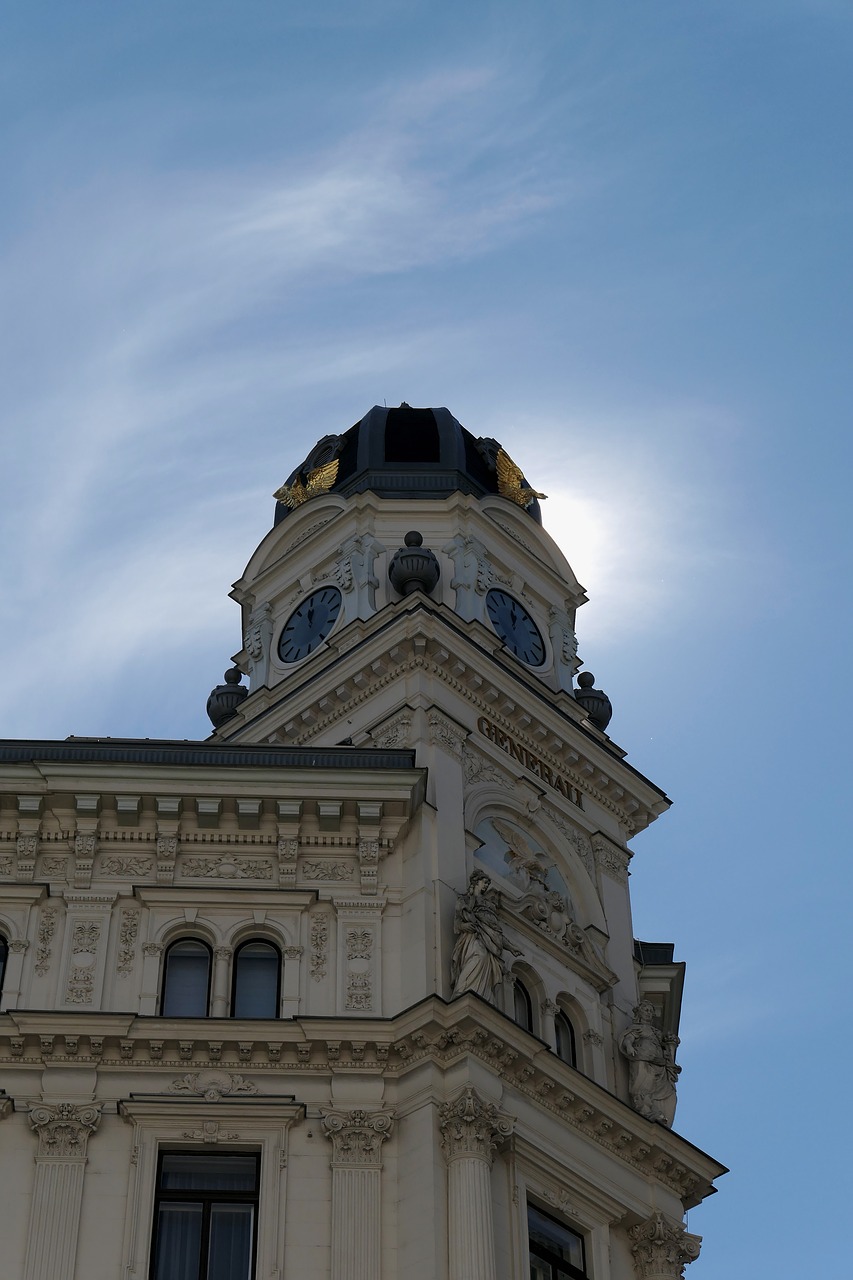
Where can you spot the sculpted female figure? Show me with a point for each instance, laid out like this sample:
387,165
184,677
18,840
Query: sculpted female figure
476,964
653,1072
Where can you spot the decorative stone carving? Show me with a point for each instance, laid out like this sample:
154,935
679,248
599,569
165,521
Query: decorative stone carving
26,849
81,985
476,768
6,866
213,1085
18,946
565,645
445,733
64,1129
359,944
85,937
85,844
354,571
46,930
577,839
359,951
472,574
288,853
662,1248
152,949
472,1127
210,1132
477,961
394,733
594,1038
226,869
368,864
328,870
258,642
127,934
132,866
611,858
653,1073
357,1136
54,866
319,944
225,699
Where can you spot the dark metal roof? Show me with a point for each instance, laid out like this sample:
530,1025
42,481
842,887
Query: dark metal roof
203,754
405,452
654,952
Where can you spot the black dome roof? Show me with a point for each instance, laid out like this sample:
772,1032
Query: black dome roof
406,453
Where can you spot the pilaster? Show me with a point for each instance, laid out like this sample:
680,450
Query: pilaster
63,1132
470,1131
662,1248
357,1138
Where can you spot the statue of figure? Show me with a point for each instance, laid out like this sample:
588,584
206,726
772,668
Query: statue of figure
477,963
653,1072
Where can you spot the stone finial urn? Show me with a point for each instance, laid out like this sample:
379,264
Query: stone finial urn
595,702
225,699
414,567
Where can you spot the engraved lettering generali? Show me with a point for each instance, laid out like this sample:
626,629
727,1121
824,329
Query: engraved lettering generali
529,760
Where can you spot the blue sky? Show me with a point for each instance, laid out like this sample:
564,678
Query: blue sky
616,237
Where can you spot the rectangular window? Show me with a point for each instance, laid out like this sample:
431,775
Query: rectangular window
556,1251
205,1217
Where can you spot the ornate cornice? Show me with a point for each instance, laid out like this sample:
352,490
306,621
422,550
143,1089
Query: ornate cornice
432,1032
662,1248
357,1137
64,1128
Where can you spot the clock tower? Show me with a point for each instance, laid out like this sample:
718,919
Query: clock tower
351,989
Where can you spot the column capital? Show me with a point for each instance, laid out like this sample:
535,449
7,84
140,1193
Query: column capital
662,1248
357,1136
472,1127
64,1128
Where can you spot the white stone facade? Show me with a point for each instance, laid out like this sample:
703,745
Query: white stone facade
400,1132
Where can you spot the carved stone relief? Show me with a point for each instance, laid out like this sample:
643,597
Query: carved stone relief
472,1127
328,870
213,1085
357,1136
611,858
445,733
64,1129
127,866
224,869
26,848
6,866
662,1248
258,642
128,931
393,733
44,947
477,961
359,980
319,945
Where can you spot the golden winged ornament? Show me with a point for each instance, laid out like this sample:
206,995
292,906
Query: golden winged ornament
320,480
510,481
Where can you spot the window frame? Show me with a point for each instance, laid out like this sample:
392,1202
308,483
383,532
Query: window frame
4,960
520,988
564,1270
207,1200
235,961
176,942
561,1017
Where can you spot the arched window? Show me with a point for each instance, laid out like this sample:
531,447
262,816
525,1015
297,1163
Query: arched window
4,955
257,981
522,1006
565,1034
186,980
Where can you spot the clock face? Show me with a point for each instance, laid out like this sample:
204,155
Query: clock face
515,627
309,624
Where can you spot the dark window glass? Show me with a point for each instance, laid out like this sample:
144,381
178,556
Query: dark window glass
523,1006
565,1034
411,435
186,981
257,972
4,955
205,1217
556,1251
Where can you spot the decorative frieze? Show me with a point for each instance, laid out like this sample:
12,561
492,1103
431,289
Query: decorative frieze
126,866
224,868
662,1248
328,871
213,1085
